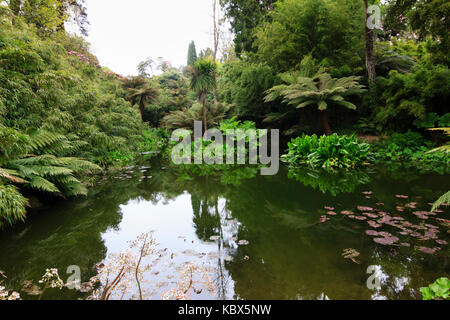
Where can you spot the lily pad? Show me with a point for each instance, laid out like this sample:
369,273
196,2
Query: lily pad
386,240
427,250
405,244
373,224
363,209
411,205
370,215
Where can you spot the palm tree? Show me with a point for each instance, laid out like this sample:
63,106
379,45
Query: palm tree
203,80
143,94
320,90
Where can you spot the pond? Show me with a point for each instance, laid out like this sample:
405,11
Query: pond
261,237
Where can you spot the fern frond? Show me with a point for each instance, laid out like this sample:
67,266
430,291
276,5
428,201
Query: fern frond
444,199
43,184
42,140
12,205
10,175
77,164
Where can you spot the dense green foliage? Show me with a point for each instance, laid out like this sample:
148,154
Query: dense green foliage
55,85
320,90
244,84
412,96
60,113
297,28
245,16
411,147
412,76
327,152
30,161
427,18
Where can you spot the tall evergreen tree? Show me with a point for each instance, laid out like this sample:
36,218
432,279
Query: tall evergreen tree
245,16
192,54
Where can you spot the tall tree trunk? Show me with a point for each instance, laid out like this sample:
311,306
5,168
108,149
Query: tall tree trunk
142,107
216,44
370,55
205,124
202,100
324,122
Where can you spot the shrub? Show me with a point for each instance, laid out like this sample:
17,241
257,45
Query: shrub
328,152
410,146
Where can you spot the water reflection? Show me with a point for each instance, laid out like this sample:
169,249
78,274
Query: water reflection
203,219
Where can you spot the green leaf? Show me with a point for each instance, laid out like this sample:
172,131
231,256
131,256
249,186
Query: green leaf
427,294
322,105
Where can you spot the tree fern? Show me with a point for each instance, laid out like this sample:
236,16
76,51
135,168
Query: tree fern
184,119
320,90
22,162
45,173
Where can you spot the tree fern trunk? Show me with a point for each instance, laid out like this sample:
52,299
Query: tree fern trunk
370,56
324,122
142,108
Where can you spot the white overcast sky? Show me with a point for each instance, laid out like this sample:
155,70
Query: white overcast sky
124,33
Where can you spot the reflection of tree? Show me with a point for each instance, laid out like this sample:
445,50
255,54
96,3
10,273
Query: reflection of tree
402,272
206,221
290,254
334,183
59,238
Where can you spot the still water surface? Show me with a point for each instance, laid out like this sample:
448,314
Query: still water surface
290,253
